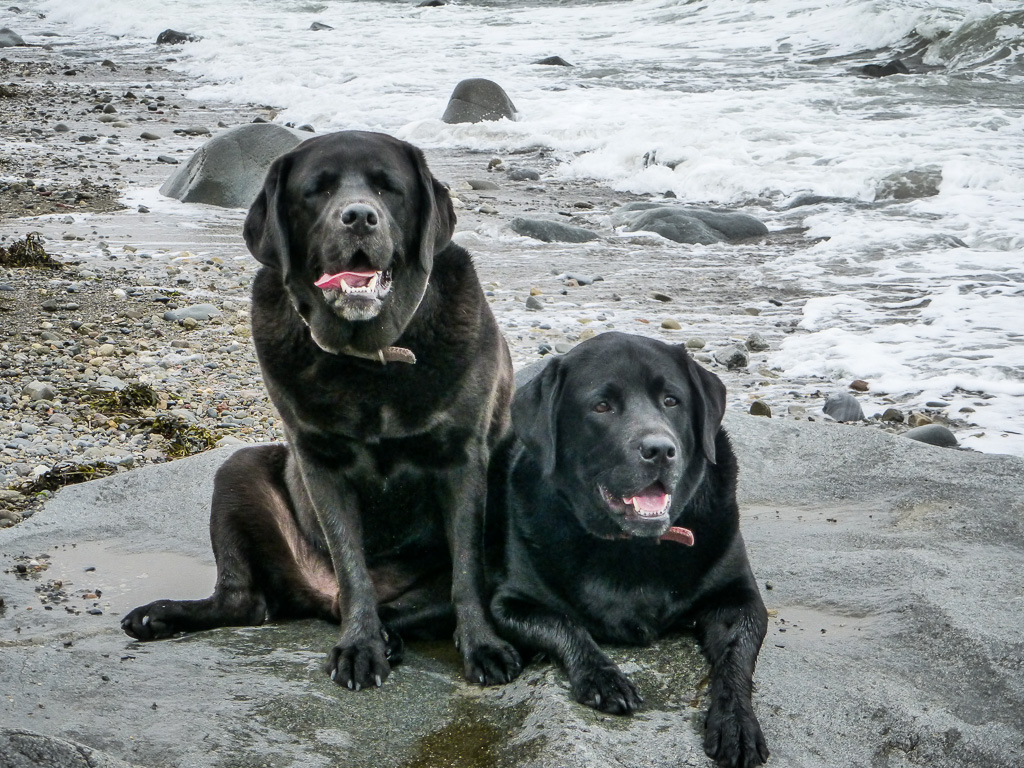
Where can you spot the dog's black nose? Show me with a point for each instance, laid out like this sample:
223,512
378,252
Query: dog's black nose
360,218
658,449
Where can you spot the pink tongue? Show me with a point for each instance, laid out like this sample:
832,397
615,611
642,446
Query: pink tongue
351,279
648,501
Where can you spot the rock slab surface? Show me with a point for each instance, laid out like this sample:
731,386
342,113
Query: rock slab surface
893,570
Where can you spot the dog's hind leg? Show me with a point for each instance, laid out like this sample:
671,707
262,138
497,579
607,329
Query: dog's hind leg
266,567
731,630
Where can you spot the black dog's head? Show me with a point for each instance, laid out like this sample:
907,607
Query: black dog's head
625,427
352,221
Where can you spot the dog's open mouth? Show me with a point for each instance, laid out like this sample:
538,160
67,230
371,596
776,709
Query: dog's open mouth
369,283
651,503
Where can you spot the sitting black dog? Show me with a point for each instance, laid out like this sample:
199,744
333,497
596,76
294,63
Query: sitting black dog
382,356
617,502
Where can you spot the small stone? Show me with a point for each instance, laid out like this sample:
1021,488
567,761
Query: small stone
752,311
732,357
672,325
936,404
535,291
105,350
319,26
482,184
143,209
61,128
859,385
149,136
562,347
39,390
196,312
918,420
760,408
544,349
796,411
695,342
843,407
893,415
167,159
756,343
534,303
933,434
657,296
109,109
523,174
193,130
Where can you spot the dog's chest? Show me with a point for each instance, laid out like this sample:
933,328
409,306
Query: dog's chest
621,613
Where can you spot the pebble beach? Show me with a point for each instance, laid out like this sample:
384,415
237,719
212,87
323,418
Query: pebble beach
150,295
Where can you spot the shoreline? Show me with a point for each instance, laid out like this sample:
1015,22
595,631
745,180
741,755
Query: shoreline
104,316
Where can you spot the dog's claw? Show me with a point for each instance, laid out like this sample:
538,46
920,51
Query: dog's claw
379,681
145,620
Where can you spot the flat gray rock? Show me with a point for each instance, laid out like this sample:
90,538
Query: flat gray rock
550,231
228,170
686,224
895,572
477,100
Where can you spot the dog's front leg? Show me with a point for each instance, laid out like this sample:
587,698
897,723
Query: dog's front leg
731,630
487,659
362,655
595,679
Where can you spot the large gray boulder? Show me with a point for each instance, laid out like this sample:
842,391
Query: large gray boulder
687,224
228,170
476,100
893,571
9,38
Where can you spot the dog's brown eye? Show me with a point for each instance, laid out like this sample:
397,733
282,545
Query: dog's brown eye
602,407
670,402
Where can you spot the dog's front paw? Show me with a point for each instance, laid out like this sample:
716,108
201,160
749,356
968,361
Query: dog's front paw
605,688
490,663
152,622
364,661
733,737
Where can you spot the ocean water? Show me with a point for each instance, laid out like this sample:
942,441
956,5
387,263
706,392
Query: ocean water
749,104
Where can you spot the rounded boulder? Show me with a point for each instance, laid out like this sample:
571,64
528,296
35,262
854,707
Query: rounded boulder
476,100
228,170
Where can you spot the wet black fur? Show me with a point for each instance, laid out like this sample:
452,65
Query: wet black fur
377,498
574,574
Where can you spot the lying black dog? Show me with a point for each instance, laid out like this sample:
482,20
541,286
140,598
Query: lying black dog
393,382
617,498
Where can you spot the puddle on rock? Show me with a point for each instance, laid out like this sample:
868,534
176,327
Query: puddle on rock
94,575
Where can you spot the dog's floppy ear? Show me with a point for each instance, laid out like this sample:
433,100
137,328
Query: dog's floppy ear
709,396
266,228
437,214
534,412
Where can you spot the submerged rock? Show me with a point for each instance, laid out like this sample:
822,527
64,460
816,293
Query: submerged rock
173,37
553,61
228,170
910,185
894,67
551,231
477,100
684,224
